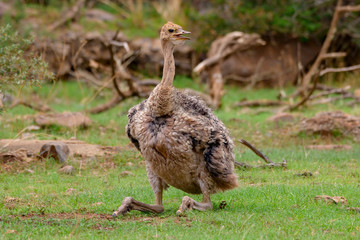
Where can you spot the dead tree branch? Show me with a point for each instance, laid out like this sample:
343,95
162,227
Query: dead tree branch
336,70
314,72
324,48
221,49
331,91
259,103
334,55
257,152
348,8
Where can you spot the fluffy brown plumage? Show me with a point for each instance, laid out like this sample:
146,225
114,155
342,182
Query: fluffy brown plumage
184,144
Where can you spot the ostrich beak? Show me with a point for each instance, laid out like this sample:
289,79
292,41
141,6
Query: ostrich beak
182,32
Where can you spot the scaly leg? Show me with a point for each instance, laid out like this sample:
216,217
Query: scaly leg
130,203
188,203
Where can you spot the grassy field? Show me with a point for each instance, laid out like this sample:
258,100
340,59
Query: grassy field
269,204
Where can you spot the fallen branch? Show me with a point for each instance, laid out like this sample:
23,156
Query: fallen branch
332,99
331,91
257,152
39,108
259,103
270,164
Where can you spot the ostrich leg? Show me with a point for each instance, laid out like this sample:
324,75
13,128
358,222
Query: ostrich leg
130,203
188,203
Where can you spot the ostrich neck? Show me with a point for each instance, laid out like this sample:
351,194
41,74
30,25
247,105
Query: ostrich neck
169,63
161,100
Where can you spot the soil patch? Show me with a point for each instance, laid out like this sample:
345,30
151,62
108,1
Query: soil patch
87,216
77,148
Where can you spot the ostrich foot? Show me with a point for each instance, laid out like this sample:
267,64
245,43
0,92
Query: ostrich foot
130,203
188,204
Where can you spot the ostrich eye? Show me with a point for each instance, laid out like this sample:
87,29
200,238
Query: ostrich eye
171,30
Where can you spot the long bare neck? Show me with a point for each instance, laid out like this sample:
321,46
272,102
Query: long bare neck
161,100
169,64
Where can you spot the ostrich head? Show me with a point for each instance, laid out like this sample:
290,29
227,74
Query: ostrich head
173,33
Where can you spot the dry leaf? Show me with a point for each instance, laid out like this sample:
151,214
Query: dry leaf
70,191
335,199
126,173
9,231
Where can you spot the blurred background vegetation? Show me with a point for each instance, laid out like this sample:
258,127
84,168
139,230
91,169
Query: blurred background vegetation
207,19
278,20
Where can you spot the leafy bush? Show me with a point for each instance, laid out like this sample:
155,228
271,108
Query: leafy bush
18,66
293,18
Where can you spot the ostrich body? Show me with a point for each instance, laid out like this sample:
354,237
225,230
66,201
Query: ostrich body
184,144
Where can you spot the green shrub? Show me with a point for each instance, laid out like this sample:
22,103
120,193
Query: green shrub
18,65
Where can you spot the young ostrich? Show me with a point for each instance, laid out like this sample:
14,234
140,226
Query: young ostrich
184,144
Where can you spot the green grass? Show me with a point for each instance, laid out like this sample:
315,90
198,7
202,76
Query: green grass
269,203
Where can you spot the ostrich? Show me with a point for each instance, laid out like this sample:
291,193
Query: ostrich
184,144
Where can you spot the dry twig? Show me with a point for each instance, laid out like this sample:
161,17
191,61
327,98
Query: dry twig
270,164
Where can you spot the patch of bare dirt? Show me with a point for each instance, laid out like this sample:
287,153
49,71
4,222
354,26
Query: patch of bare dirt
77,148
92,216
330,123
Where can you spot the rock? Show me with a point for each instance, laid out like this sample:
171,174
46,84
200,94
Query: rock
58,150
68,169
67,119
